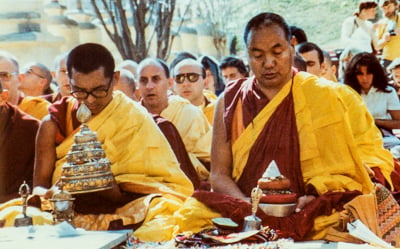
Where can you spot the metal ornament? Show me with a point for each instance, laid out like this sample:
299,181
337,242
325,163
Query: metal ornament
252,222
62,203
23,219
87,169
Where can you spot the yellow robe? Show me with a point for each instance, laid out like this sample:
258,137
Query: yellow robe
142,162
208,110
194,129
329,154
35,106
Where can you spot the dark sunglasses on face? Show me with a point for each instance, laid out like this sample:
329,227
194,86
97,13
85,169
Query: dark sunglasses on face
192,77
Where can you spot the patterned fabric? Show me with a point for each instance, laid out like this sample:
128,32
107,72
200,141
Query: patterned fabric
388,216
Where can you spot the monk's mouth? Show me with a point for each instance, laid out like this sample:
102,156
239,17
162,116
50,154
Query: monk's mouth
269,75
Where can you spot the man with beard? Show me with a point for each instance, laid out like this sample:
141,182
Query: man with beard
388,31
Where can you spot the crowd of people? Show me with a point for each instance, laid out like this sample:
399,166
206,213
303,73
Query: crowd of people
188,141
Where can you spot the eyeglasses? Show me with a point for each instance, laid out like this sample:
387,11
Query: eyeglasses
30,71
192,77
97,93
6,76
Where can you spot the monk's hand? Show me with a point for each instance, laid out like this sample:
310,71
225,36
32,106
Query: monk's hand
303,201
45,192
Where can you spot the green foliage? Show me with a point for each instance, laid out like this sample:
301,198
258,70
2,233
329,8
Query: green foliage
320,19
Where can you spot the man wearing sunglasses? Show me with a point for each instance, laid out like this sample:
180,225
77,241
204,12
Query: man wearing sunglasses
193,127
189,82
141,159
17,147
9,74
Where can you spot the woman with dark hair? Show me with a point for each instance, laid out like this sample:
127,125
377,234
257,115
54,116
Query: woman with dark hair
215,82
365,75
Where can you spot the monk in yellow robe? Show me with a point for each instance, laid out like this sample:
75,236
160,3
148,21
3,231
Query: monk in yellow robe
149,185
303,124
194,130
10,76
189,83
193,127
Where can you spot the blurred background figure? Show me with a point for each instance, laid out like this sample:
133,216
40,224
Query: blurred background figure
388,31
215,82
394,70
131,66
60,79
126,84
298,35
233,68
36,80
357,31
330,70
367,77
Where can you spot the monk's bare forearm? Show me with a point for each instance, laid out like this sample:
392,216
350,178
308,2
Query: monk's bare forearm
225,185
221,157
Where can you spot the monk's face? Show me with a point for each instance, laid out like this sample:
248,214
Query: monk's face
93,88
270,56
61,78
189,82
153,86
9,77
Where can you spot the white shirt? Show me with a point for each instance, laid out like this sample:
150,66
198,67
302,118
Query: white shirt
357,33
379,103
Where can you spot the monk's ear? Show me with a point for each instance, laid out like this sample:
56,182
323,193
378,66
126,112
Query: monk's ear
170,83
293,41
116,77
206,82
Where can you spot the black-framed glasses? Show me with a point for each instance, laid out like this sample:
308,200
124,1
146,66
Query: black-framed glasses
6,76
97,92
30,71
192,77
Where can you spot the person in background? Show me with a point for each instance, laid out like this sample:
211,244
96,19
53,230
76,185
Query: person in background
9,74
36,80
189,81
233,68
357,31
299,63
60,78
131,66
17,147
394,69
367,77
313,56
215,83
388,31
189,120
126,84
330,69
298,35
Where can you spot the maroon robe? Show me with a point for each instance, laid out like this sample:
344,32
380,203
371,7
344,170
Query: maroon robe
17,150
177,145
279,141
